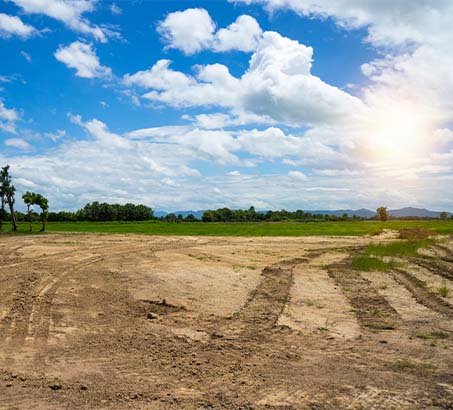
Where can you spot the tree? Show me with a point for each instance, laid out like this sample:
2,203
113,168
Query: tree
2,209
443,216
9,191
30,200
43,203
382,213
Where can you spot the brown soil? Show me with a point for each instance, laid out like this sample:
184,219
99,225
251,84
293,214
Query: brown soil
142,322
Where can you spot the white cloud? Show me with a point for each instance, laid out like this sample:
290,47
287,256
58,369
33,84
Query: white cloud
14,26
243,35
18,143
278,86
25,55
150,163
193,30
391,23
69,12
190,30
83,59
115,9
8,118
297,175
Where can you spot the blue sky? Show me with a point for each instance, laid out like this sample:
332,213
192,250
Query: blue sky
201,104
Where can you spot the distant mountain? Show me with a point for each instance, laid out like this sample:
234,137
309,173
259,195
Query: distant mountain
363,213
197,214
417,212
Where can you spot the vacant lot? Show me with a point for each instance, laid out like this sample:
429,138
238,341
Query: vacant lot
146,322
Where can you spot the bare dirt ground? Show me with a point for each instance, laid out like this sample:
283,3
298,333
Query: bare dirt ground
142,322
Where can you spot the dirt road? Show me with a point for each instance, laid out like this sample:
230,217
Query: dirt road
142,322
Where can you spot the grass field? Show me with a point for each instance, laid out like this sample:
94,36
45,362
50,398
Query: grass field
358,228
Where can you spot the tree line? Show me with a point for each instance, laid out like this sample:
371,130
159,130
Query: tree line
8,199
104,212
251,215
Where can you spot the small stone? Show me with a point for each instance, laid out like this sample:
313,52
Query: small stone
83,387
55,386
151,316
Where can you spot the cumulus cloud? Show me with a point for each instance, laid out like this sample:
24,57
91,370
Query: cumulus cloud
243,35
193,30
70,12
8,118
83,59
190,30
278,85
14,26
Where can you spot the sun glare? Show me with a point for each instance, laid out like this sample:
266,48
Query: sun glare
399,131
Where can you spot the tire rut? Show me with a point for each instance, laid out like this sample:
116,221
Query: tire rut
422,295
267,301
373,311
435,266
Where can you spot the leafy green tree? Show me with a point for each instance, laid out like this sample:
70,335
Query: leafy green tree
9,190
382,213
43,203
443,216
190,218
30,200
2,209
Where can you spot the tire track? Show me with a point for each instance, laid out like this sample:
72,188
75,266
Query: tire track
435,266
373,311
266,302
421,293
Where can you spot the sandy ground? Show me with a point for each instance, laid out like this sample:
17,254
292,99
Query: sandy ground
143,322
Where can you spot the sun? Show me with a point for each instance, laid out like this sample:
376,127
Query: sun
399,131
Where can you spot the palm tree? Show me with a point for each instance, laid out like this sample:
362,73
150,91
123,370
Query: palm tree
29,199
43,203
2,209
9,190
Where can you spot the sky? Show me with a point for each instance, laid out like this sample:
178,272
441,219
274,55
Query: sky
180,104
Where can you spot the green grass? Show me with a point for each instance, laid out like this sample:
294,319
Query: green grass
369,264
443,290
433,335
358,228
404,248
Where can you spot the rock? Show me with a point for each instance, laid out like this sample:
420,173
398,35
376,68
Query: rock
55,386
83,387
151,316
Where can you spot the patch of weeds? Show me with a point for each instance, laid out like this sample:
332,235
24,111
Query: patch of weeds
399,249
409,366
236,268
381,326
309,302
251,267
433,335
368,264
346,289
443,290
415,233
323,329
384,287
